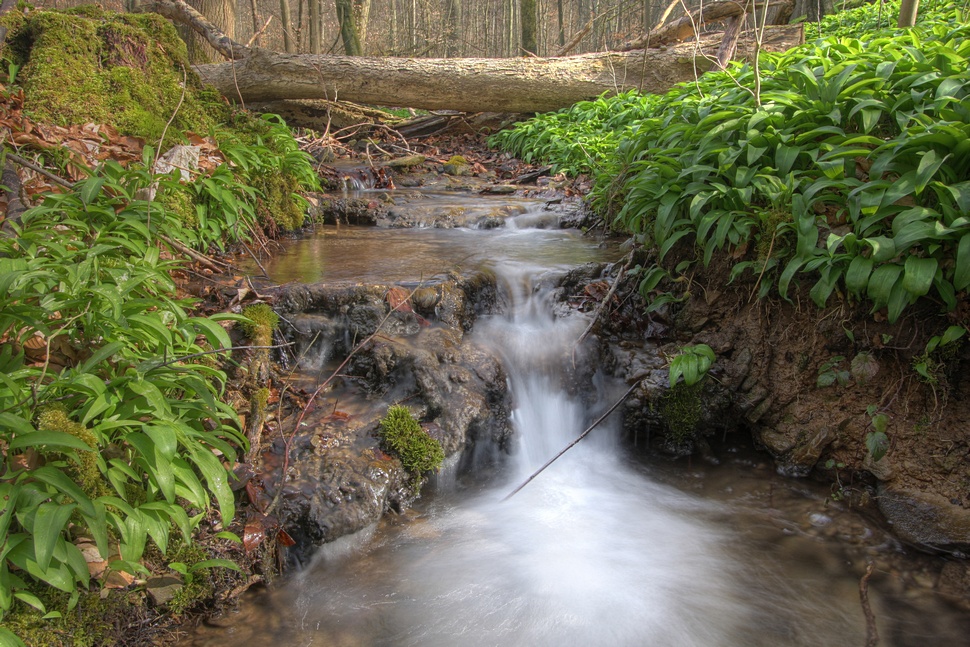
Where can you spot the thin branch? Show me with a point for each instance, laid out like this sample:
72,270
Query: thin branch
56,179
603,303
574,443
182,358
872,635
180,12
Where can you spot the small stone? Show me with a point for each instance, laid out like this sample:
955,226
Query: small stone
163,588
819,520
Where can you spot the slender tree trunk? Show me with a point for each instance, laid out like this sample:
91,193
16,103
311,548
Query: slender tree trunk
562,25
287,23
316,38
908,10
452,20
348,27
362,14
528,9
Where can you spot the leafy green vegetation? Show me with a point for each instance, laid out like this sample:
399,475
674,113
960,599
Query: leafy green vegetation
848,172
112,428
692,363
403,436
114,432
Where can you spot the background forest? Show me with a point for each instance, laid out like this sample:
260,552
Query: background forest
441,28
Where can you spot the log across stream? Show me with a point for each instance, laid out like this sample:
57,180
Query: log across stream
609,546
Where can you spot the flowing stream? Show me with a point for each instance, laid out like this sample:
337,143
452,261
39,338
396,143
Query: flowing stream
603,548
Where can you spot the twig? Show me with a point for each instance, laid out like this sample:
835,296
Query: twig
574,443
872,635
211,352
259,32
161,141
56,179
212,264
602,306
764,267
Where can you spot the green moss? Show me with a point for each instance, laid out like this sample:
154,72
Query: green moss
403,436
85,470
179,200
198,587
90,65
93,622
681,409
262,322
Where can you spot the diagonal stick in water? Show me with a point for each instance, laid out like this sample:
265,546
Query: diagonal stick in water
574,443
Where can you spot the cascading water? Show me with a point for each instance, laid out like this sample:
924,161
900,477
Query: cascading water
594,551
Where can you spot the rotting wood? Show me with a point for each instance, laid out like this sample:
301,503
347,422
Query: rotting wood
474,85
518,85
688,26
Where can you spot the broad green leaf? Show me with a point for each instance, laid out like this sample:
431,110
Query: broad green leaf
883,248
90,190
59,480
49,438
929,164
961,270
49,523
881,284
918,275
9,639
877,442
857,275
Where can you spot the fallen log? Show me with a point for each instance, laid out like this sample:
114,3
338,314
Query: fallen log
474,85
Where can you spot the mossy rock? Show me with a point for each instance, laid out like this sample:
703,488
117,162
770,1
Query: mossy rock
125,70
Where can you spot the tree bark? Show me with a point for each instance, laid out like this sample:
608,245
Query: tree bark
473,85
348,29
287,26
907,13
529,14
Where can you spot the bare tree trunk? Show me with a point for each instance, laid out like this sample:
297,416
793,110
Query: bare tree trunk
907,13
362,14
472,85
562,26
313,19
348,27
287,23
451,19
529,10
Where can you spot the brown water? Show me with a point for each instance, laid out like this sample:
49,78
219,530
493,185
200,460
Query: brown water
369,254
605,547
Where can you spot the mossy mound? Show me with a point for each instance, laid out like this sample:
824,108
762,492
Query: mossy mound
89,65
403,436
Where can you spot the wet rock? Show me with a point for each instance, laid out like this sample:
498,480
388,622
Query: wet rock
339,491
801,460
954,583
406,163
925,519
775,441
